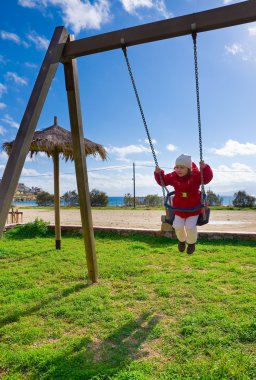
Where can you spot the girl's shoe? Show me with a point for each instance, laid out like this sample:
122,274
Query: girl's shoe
181,246
191,248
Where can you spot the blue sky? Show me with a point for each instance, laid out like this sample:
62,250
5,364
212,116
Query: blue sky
164,74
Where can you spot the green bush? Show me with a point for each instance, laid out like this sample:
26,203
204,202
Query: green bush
213,199
153,200
38,228
45,199
129,200
242,199
71,198
98,198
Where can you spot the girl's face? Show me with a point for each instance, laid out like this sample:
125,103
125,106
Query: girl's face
181,170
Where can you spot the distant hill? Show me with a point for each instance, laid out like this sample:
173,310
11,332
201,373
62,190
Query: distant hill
25,193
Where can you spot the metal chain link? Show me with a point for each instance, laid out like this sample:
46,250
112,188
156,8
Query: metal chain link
194,35
143,117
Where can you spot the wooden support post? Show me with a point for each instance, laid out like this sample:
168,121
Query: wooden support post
57,200
13,216
71,78
134,196
29,121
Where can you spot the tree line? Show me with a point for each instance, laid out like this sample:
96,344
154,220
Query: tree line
100,199
70,198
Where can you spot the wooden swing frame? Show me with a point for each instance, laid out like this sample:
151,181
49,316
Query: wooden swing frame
64,49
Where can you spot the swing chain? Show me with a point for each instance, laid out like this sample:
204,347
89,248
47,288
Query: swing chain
139,103
194,36
142,115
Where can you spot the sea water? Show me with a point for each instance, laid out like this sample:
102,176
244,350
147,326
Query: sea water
117,201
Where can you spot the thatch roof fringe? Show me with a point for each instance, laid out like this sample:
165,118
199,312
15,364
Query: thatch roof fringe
57,139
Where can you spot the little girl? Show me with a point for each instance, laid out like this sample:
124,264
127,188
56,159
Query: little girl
186,180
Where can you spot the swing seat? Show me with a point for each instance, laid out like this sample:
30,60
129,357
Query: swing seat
203,219
169,218
169,206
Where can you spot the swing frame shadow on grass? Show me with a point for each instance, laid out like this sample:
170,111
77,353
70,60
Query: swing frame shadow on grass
155,314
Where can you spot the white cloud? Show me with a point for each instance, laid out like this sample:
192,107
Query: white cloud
28,3
118,183
10,36
40,42
161,8
252,30
3,89
247,50
32,178
233,148
227,2
2,130
31,65
145,163
247,53
29,158
76,14
42,155
2,167
152,140
30,172
233,178
18,80
234,49
2,106
3,157
171,147
9,120
68,177
13,37
122,152
79,15
84,15
41,181
131,6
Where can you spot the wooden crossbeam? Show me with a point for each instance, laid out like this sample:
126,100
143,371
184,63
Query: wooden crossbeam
217,18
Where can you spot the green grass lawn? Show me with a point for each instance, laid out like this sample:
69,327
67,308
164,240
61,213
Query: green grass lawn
155,314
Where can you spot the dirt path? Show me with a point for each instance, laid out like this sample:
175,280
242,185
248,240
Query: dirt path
226,221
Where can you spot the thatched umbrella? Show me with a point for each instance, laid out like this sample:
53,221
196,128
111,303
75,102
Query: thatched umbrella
56,141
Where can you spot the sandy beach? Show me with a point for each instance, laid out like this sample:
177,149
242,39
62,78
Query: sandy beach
225,221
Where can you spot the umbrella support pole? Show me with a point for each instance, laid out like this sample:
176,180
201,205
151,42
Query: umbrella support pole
57,200
71,79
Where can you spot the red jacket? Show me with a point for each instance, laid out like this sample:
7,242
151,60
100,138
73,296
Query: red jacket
187,194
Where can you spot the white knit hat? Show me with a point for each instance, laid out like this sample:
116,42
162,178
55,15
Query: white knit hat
184,160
